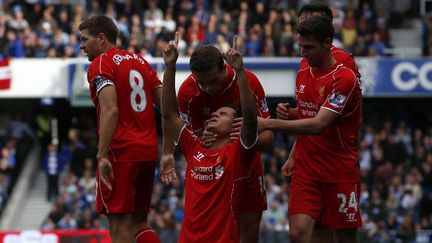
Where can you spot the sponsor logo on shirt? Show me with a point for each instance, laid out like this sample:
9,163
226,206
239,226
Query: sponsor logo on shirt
198,156
207,173
309,109
301,88
351,217
337,100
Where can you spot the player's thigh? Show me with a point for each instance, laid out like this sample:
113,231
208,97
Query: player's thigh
341,206
131,189
305,197
252,195
250,220
144,185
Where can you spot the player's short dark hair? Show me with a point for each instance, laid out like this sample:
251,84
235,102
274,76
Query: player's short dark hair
236,108
101,24
205,57
317,8
318,27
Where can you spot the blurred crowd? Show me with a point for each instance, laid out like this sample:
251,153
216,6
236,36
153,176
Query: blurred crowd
41,28
16,138
396,188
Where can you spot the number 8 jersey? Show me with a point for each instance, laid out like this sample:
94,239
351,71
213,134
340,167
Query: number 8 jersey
135,137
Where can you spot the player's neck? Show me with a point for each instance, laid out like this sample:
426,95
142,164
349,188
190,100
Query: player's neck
220,142
327,62
108,47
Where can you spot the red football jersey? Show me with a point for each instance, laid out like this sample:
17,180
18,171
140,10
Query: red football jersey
332,155
135,137
340,56
196,106
212,187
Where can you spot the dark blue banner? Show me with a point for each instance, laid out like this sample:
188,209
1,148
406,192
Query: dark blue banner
396,77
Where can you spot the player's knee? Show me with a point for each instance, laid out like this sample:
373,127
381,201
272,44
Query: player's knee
120,224
298,234
250,235
347,235
249,227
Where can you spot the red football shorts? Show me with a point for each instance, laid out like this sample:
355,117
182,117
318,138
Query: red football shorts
131,188
333,205
252,195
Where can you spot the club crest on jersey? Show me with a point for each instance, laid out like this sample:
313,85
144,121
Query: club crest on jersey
264,106
337,100
185,118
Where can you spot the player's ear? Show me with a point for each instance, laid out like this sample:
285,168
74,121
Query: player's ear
101,37
328,42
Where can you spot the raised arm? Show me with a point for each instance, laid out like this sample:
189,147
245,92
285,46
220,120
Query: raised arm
169,100
248,130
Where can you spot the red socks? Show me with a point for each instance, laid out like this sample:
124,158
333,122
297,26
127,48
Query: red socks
146,235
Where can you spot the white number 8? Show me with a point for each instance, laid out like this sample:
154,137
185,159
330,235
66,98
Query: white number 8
137,90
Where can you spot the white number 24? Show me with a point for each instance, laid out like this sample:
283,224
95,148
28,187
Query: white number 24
137,90
352,203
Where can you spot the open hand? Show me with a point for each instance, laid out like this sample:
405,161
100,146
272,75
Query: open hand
167,169
106,172
208,138
287,168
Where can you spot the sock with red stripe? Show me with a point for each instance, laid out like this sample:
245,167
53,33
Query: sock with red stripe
146,235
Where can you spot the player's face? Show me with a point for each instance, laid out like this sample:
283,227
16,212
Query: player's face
90,44
221,121
211,81
313,50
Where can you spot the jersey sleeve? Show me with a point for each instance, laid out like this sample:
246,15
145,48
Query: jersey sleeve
351,64
187,141
303,64
347,59
259,94
189,117
345,94
101,73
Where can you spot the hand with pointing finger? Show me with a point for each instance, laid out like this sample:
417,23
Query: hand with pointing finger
170,53
233,57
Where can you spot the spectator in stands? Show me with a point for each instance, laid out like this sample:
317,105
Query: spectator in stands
52,165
